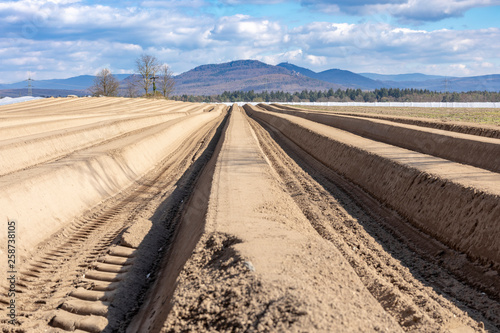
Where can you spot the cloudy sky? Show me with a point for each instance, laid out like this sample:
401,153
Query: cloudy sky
64,38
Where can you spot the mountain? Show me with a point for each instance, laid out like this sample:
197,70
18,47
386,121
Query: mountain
56,87
453,84
244,75
297,69
41,92
81,82
371,81
255,75
203,80
349,79
341,77
413,77
438,83
480,83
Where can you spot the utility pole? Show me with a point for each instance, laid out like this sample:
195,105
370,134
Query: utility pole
30,90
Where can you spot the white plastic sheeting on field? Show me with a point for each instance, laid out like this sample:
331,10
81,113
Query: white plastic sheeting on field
387,104
9,100
406,104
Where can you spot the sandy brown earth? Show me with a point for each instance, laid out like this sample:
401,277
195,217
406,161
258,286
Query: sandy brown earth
485,118
156,216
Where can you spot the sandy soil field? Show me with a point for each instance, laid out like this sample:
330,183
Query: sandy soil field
486,118
135,215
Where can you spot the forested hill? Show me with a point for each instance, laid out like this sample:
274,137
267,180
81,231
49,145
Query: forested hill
256,76
244,75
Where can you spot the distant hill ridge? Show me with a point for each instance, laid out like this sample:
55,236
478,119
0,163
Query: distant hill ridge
412,77
345,78
255,75
244,75
80,82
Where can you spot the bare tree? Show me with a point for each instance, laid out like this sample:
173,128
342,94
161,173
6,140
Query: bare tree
105,84
146,65
166,81
131,86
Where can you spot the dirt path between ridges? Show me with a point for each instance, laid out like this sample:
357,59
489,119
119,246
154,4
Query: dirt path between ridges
486,130
260,266
457,204
401,267
474,150
241,262
91,274
288,246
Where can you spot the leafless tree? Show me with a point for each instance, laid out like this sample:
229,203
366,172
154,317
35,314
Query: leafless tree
146,65
105,84
131,86
166,81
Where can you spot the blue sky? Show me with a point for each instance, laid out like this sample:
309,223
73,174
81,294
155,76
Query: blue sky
64,38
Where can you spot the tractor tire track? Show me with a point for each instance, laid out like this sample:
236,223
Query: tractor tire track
79,271
402,274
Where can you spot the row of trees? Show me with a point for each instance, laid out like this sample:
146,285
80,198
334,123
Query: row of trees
150,73
155,79
348,95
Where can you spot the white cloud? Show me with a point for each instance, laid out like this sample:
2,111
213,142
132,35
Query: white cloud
60,59
430,10
406,10
174,3
289,56
247,2
71,38
315,60
362,47
259,32
76,21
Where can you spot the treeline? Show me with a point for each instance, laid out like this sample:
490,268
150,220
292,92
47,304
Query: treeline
348,95
152,79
